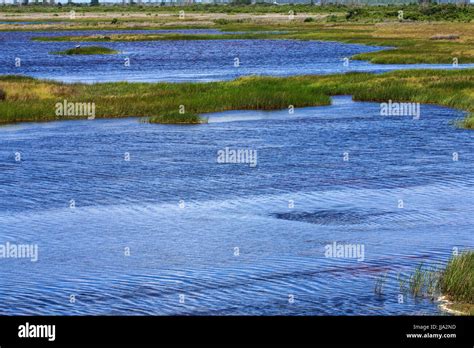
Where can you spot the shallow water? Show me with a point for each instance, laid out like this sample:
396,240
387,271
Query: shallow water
189,249
179,61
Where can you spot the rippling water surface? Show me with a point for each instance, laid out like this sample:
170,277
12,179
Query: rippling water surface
178,61
182,215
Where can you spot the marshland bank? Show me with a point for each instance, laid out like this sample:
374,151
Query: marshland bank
28,99
457,283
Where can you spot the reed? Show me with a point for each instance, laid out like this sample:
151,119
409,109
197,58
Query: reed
457,280
176,118
379,284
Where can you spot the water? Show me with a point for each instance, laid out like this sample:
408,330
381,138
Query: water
179,61
182,215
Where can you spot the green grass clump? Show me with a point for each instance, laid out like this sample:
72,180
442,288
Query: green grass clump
380,283
177,118
411,12
457,280
417,281
468,122
87,51
222,21
422,282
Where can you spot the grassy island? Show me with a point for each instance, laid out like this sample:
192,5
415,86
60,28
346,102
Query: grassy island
87,51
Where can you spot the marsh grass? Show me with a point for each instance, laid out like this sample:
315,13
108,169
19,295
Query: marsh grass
87,51
29,99
152,37
422,282
416,281
176,118
457,280
402,283
379,284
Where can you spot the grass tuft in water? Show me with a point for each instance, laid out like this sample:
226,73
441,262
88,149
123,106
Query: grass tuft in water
87,51
422,282
177,118
379,284
416,281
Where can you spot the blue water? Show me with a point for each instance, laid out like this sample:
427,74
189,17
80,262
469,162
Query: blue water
182,214
179,61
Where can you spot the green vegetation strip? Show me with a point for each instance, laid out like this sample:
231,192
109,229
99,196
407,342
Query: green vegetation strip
87,51
28,99
152,37
457,280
